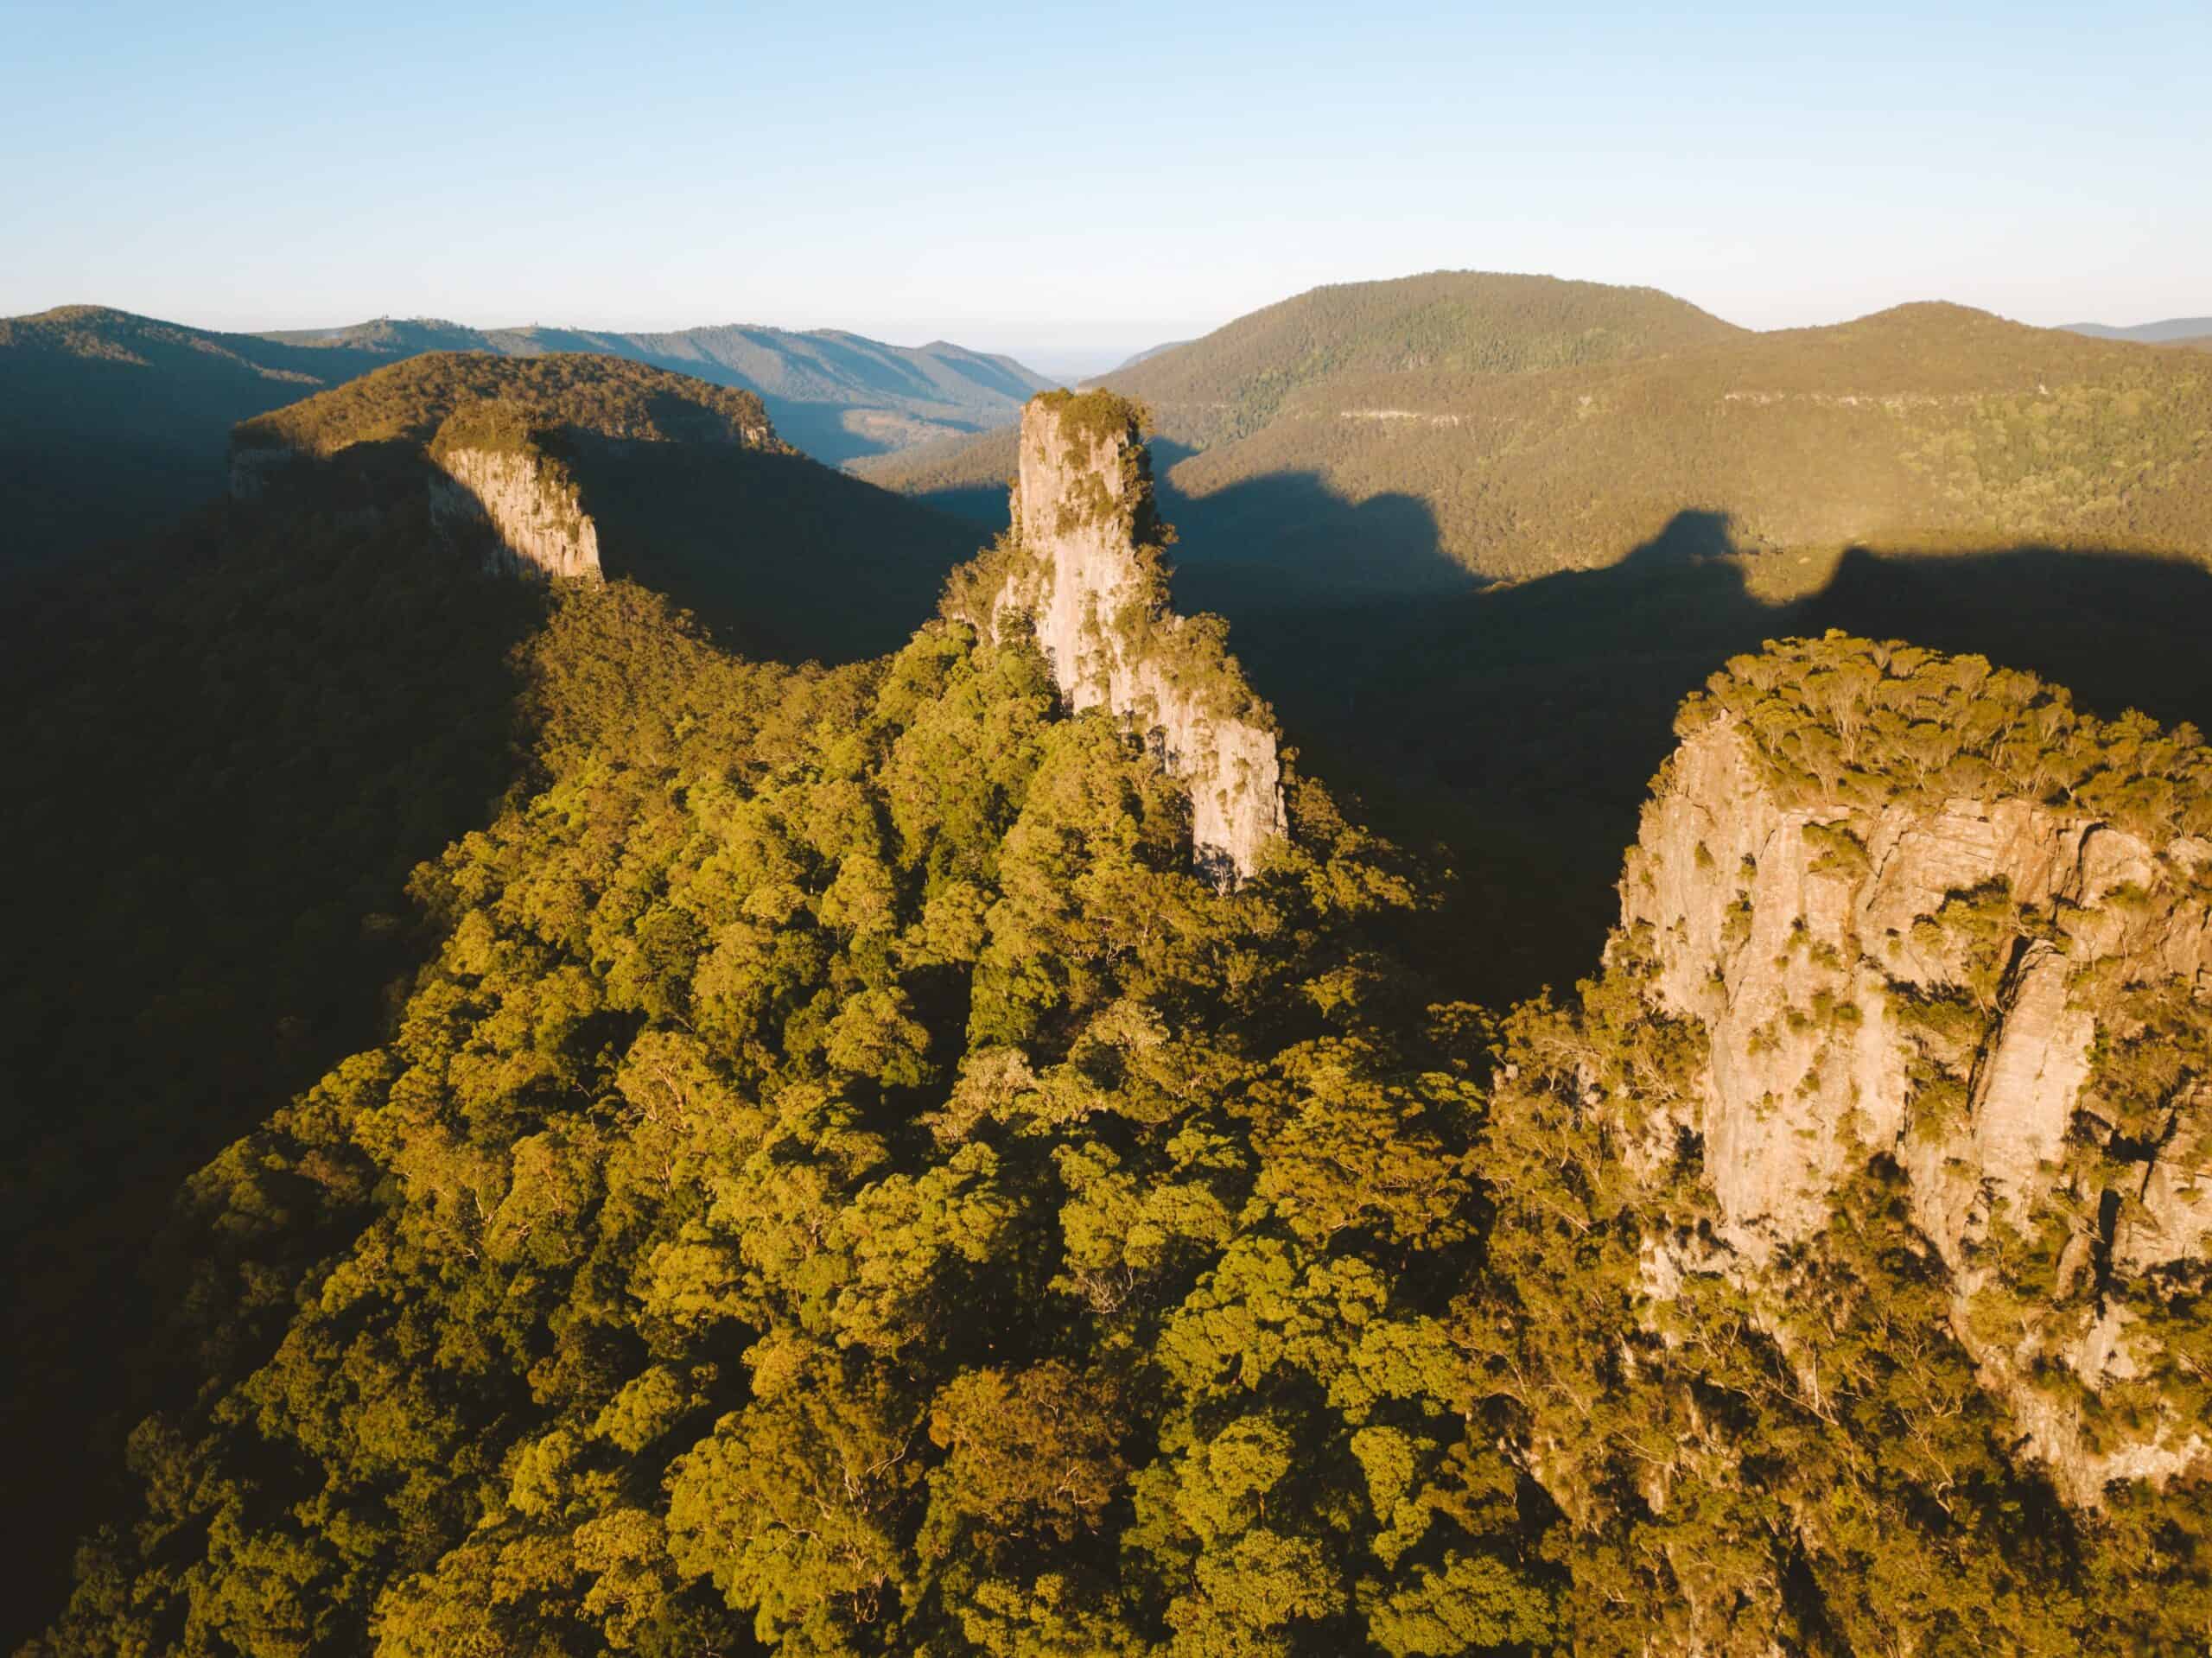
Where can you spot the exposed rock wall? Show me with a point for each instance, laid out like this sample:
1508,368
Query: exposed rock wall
515,506
1812,960
1083,569
532,511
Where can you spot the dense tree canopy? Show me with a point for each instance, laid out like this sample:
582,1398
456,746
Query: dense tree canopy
844,1182
846,1178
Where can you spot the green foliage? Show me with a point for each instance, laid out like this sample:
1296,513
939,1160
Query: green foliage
1235,380
843,1179
1844,720
1836,850
605,396
840,1183
1537,426
1090,419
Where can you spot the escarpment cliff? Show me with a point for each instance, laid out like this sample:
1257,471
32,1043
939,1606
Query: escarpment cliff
505,488
494,445
1081,565
528,512
496,487
1919,910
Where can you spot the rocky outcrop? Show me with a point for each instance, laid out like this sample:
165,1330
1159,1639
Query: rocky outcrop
498,488
517,506
494,447
1080,566
1998,993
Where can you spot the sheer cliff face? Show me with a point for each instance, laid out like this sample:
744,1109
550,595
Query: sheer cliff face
488,443
2003,997
1083,570
521,506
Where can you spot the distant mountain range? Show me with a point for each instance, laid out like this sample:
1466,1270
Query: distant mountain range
112,423
1475,536
2174,331
1144,356
835,395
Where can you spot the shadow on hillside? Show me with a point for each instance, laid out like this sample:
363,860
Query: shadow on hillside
985,508
781,558
1290,535
819,429
1517,728
228,746
1286,535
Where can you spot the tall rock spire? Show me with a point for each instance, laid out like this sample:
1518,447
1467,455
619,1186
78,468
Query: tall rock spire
1082,564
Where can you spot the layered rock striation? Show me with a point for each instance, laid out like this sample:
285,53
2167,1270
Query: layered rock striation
1081,566
1922,910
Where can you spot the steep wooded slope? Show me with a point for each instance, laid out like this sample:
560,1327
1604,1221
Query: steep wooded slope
110,425
1235,380
228,746
680,484
843,1181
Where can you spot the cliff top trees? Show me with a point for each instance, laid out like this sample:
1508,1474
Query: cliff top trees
607,397
1852,720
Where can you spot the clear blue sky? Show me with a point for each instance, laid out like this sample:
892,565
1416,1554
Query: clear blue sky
1052,180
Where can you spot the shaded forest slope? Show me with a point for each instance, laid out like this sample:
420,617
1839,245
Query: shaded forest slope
690,490
111,424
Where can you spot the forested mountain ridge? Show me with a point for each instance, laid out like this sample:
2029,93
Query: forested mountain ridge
578,464
113,424
604,397
232,741
1925,426
841,1182
1231,383
2174,331
837,395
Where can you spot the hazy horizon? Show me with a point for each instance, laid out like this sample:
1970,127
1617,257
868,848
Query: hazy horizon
1044,184
1071,358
